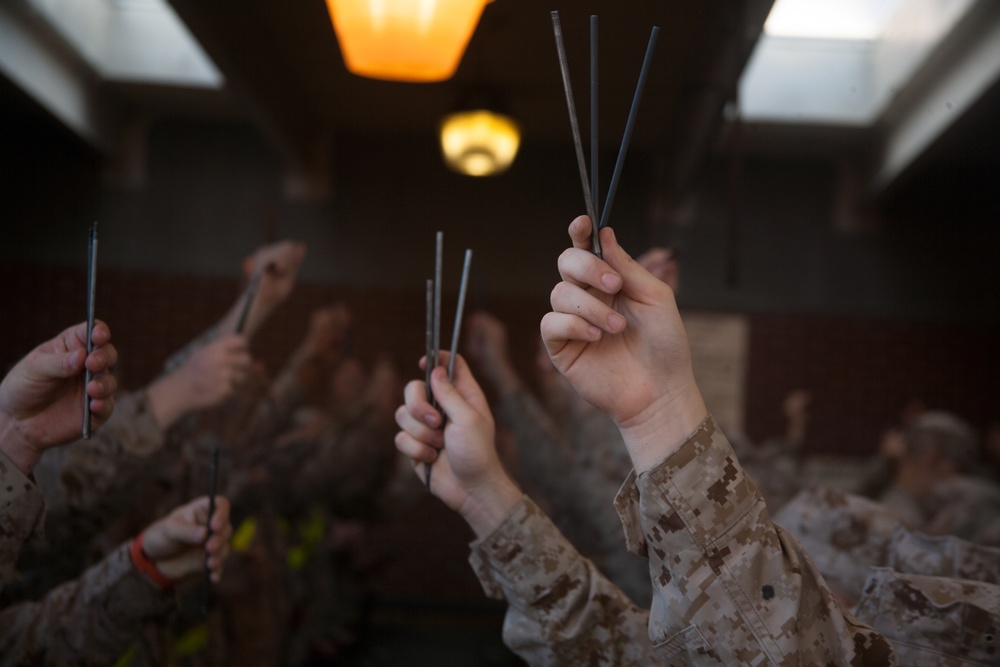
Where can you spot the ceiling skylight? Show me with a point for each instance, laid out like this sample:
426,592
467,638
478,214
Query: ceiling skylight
132,40
830,19
840,61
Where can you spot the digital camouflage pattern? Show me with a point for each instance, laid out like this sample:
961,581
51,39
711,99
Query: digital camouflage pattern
844,534
729,587
562,611
22,509
88,485
934,621
943,556
578,476
88,621
87,480
966,506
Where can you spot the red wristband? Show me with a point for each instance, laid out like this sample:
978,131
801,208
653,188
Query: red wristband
146,566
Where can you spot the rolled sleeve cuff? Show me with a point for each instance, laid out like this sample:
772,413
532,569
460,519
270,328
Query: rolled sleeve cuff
675,503
507,561
22,506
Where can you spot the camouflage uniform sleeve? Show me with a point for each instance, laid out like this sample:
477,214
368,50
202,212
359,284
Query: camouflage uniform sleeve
22,514
729,587
562,611
89,621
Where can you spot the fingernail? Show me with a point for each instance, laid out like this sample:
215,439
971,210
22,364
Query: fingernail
610,281
593,333
430,419
615,322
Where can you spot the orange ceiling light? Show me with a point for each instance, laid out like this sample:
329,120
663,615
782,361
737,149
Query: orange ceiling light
404,40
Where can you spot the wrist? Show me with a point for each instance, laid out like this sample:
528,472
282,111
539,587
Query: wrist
660,429
147,566
488,505
15,446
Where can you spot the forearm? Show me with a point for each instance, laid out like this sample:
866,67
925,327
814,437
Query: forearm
562,610
89,621
220,328
491,506
21,514
17,450
658,431
169,398
726,580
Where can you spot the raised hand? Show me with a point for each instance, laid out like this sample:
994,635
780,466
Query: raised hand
468,475
41,398
176,543
206,379
280,263
614,332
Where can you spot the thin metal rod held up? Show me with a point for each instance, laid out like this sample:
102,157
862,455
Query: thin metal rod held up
458,313
577,141
91,289
594,140
629,125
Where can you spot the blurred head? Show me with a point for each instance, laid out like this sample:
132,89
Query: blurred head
942,440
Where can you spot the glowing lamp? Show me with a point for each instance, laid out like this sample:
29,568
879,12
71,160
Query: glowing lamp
404,40
479,143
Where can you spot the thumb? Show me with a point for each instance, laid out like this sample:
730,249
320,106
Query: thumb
183,533
59,364
636,280
452,403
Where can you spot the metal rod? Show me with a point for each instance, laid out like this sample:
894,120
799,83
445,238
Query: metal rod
577,142
429,363
435,353
207,593
629,125
91,289
438,259
458,313
429,341
594,142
